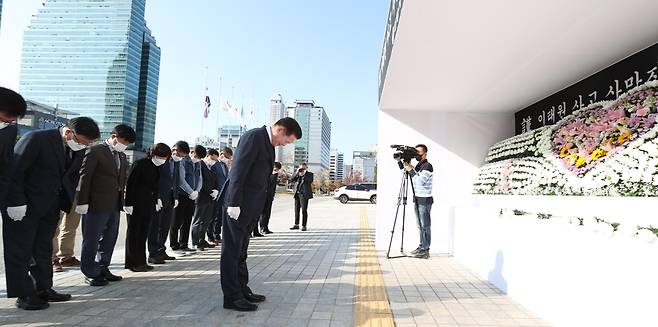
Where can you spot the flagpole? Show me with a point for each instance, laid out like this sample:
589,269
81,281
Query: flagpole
219,109
205,93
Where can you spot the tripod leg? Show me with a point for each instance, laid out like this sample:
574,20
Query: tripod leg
404,210
397,210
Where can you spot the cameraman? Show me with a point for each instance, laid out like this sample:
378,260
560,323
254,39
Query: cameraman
421,177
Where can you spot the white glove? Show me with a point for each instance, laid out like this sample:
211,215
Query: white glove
214,194
194,195
158,206
82,209
128,210
17,213
175,203
233,212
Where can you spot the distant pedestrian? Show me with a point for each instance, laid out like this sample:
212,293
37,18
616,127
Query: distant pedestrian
303,192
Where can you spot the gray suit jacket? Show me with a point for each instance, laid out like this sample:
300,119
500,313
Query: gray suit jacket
102,184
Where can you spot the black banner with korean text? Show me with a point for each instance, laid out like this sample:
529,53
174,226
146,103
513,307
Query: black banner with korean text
607,84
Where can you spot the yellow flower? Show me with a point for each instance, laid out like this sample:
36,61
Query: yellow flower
623,138
565,150
597,154
580,161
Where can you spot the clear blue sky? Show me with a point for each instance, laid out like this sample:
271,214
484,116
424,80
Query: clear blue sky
327,51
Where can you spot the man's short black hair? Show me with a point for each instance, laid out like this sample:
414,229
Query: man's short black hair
12,103
291,126
422,146
125,132
182,146
227,151
213,152
200,151
277,165
84,126
160,150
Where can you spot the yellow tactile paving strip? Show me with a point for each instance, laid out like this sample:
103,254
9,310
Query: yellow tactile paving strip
371,306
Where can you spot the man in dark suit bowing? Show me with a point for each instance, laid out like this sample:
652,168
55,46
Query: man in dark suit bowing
244,200
38,180
303,192
12,107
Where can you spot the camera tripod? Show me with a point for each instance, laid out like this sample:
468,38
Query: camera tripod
402,200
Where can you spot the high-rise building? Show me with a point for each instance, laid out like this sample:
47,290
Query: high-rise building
277,111
87,57
314,146
148,91
364,164
336,166
0,12
229,135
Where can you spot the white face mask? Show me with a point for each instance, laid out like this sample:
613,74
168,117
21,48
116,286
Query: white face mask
176,158
75,146
158,161
4,124
195,160
119,147
211,162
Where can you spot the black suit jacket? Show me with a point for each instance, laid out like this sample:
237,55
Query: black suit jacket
249,176
7,141
208,183
102,183
142,187
37,170
71,177
274,179
305,181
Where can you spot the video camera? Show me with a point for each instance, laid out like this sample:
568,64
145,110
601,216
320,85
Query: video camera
404,153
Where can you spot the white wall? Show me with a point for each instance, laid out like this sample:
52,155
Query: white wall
569,276
457,143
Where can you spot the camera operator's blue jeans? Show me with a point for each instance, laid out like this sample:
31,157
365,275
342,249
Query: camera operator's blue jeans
424,223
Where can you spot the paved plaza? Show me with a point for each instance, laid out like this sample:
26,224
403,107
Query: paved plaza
329,275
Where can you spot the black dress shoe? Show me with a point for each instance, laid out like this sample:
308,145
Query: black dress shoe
96,281
110,277
156,260
149,267
199,248
258,235
240,305
175,247
304,229
139,269
294,227
267,231
186,249
206,244
31,303
168,257
254,298
50,295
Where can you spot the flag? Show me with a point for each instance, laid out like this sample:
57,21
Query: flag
206,107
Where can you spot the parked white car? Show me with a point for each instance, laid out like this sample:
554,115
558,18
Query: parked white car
357,192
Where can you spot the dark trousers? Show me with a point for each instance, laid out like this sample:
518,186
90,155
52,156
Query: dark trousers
28,249
180,227
233,262
215,228
159,229
301,203
99,236
138,230
265,217
203,215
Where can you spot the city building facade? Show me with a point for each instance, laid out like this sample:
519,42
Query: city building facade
314,146
87,57
41,116
336,166
364,164
277,111
229,135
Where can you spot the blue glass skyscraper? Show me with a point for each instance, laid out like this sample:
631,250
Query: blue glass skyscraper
88,57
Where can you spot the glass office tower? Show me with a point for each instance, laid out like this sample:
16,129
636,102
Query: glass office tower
87,57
